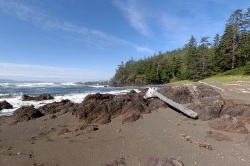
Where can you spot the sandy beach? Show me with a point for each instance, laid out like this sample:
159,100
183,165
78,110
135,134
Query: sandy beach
164,133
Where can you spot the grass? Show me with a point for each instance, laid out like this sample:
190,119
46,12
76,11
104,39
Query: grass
237,74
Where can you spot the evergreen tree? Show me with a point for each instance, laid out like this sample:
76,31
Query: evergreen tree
234,22
193,68
203,60
216,57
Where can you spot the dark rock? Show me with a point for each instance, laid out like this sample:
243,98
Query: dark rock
179,94
228,123
155,103
237,110
205,91
5,105
44,96
101,108
41,97
188,93
91,98
208,107
63,106
79,83
26,113
164,162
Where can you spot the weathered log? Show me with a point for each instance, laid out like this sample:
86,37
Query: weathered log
152,92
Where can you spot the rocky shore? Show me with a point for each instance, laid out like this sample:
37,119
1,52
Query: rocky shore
128,129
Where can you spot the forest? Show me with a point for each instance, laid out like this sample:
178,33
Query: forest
196,60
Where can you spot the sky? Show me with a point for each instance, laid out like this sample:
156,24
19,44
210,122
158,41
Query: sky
86,40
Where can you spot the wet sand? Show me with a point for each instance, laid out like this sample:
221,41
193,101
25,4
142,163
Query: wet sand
163,133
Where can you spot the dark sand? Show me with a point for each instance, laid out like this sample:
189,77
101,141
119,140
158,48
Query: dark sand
164,133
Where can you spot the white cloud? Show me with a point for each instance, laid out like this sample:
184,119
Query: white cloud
48,73
144,49
42,19
136,16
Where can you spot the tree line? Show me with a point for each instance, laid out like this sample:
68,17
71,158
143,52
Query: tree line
196,60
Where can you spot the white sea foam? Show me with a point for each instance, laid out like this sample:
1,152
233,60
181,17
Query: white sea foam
35,84
16,100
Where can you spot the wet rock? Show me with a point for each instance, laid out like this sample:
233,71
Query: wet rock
208,107
63,106
101,108
41,97
228,123
153,161
5,105
92,98
26,113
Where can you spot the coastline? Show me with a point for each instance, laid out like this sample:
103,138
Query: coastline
162,133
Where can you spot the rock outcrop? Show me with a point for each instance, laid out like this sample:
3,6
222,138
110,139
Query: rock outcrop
26,113
228,123
188,93
41,97
237,110
62,107
208,108
101,108
5,105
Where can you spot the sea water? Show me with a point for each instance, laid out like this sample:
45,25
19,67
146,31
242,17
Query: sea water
12,93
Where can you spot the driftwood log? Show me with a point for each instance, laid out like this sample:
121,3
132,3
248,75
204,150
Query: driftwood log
152,92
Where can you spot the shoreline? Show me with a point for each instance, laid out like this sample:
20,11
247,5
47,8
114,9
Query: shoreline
164,133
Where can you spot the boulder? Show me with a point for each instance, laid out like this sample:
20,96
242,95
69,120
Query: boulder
228,123
5,105
155,103
207,108
187,93
41,97
62,107
101,108
26,113
179,94
92,98
237,110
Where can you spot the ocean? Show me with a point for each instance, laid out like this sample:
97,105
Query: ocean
12,93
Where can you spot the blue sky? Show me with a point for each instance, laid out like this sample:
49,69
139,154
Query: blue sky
85,40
